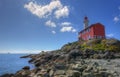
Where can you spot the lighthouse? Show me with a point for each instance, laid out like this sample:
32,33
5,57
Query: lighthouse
94,31
86,22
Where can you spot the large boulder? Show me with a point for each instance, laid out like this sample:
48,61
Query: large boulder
26,68
76,74
60,66
73,73
108,55
25,72
73,54
59,72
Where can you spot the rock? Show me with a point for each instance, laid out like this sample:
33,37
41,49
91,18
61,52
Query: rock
7,75
48,56
96,56
115,74
76,74
60,66
88,74
112,42
25,72
117,55
117,65
79,67
26,68
102,69
104,73
26,56
31,60
43,70
46,75
89,69
74,54
89,51
37,70
37,64
59,72
95,64
97,75
51,73
95,70
73,73
107,54
61,59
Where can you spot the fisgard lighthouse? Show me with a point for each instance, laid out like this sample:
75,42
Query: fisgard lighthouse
94,31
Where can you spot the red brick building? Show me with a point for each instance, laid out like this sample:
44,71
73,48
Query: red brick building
93,31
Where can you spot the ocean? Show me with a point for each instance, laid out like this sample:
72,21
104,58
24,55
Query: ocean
11,63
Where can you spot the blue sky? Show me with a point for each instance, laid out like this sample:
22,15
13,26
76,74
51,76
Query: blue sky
35,25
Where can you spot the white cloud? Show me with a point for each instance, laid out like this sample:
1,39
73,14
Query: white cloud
68,29
110,35
50,23
54,7
43,10
62,12
116,19
66,24
53,32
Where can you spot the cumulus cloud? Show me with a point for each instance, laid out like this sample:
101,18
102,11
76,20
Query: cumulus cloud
66,24
63,12
110,35
53,32
116,19
42,11
50,23
67,27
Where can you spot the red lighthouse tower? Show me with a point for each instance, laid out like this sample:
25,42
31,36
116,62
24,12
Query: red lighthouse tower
94,31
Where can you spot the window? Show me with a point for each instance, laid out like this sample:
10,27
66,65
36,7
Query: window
89,37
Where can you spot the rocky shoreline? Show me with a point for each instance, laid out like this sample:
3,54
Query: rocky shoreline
60,64
74,61
76,68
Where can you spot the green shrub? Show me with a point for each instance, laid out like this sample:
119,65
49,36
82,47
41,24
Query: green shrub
97,47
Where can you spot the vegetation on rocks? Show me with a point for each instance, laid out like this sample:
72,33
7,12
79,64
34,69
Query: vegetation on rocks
95,44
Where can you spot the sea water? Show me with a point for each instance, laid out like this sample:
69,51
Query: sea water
11,63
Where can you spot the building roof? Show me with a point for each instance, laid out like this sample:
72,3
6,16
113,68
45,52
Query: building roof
90,27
